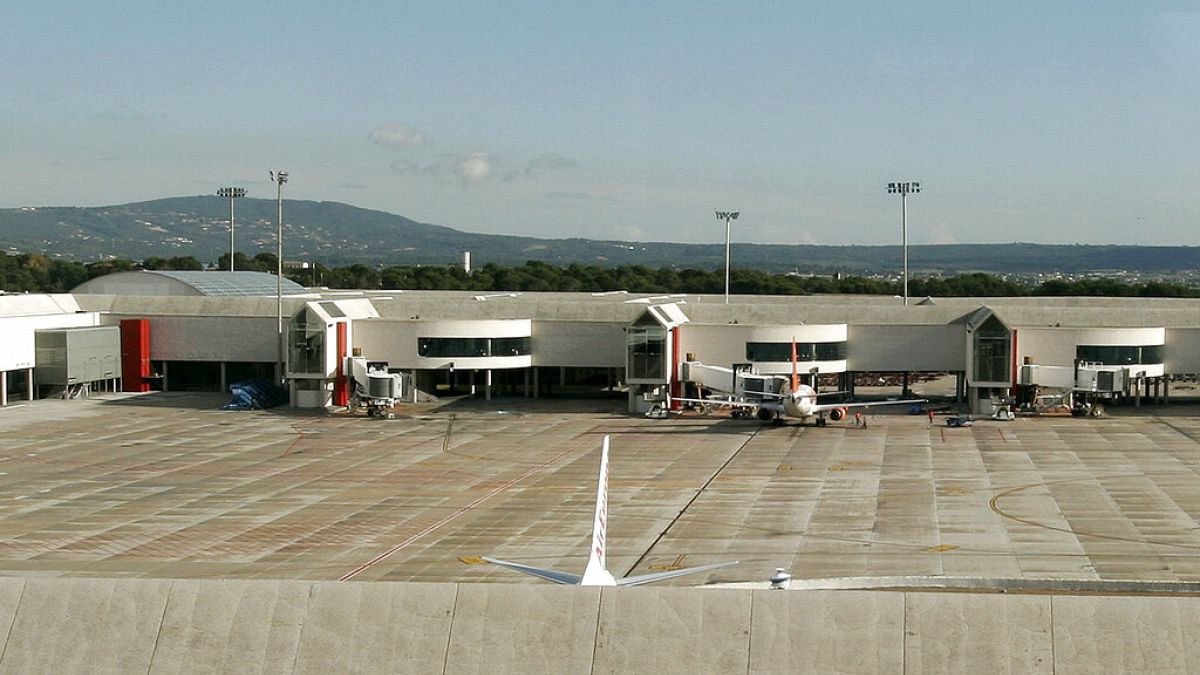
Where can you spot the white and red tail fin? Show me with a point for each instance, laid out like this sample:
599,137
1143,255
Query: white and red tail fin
596,572
795,369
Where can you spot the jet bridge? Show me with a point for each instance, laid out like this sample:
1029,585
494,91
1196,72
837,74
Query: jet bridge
375,388
739,381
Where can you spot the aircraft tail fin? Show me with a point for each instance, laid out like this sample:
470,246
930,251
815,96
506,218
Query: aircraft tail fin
597,566
795,368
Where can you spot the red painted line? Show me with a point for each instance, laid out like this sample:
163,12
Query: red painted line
495,491
1001,432
943,433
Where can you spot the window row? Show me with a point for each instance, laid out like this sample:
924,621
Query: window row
759,352
1120,356
465,347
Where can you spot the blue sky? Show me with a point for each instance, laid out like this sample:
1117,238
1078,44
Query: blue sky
1053,122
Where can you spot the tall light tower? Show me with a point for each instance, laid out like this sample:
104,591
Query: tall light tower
233,193
279,178
727,216
903,189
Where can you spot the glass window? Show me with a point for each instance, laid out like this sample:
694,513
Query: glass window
759,352
646,353
306,344
512,346
452,347
1120,356
992,347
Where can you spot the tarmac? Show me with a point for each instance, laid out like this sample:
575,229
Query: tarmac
157,533
169,486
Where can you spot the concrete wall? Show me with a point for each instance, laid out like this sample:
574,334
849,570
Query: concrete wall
725,345
210,338
395,341
1056,346
17,335
588,344
1183,350
188,626
908,347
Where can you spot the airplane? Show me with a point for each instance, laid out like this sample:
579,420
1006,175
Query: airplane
596,573
795,401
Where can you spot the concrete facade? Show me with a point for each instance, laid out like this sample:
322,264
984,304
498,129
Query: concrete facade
181,626
588,331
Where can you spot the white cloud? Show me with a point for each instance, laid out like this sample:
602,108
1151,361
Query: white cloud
474,167
397,136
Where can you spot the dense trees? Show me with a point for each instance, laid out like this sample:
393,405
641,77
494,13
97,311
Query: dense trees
38,273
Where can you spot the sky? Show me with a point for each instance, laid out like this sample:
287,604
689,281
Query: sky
1049,122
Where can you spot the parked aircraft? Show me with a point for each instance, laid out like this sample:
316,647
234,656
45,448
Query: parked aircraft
795,400
596,572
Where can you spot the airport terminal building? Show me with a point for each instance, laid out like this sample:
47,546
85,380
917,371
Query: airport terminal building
174,331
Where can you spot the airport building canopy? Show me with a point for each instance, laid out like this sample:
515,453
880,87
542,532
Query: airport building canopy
37,304
168,282
668,316
333,310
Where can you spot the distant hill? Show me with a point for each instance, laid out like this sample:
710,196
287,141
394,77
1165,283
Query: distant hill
339,234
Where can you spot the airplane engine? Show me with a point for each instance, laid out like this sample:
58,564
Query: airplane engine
838,414
765,415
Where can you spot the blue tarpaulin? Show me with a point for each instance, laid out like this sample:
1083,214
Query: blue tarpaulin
254,395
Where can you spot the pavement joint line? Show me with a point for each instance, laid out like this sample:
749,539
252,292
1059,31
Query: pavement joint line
691,501
492,493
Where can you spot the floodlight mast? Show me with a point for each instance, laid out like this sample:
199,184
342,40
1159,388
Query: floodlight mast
279,178
727,216
232,193
903,189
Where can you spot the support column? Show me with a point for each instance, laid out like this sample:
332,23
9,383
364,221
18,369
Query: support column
562,376
487,384
535,382
904,385
3,388
525,392
224,379
30,394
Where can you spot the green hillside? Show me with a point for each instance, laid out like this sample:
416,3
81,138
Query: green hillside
339,234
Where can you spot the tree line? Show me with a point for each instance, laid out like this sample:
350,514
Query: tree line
36,273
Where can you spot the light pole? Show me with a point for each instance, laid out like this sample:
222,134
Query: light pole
233,193
903,189
279,178
727,216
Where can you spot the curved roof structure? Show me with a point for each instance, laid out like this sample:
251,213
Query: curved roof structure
167,282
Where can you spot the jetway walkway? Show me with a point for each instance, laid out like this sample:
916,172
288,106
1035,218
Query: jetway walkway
63,625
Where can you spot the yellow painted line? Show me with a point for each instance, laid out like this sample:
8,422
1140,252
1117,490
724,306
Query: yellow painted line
676,564
470,560
941,549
